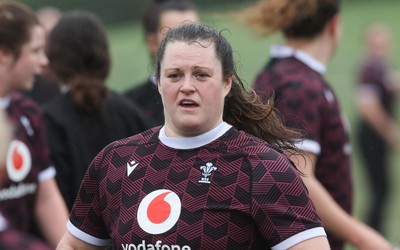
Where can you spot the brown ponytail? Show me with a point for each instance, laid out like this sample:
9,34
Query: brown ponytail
296,19
79,56
89,95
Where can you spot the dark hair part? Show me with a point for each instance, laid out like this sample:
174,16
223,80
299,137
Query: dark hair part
243,109
79,56
151,17
16,23
296,19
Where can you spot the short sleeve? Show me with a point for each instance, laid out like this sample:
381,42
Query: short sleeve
86,222
281,206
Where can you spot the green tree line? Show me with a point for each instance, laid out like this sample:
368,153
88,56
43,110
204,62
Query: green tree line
121,11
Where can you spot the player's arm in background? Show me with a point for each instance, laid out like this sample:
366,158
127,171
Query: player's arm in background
317,243
371,109
334,218
51,212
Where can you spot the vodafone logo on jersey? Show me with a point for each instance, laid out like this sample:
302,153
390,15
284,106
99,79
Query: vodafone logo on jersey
19,161
159,211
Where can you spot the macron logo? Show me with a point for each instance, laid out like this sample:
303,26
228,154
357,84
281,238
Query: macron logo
130,166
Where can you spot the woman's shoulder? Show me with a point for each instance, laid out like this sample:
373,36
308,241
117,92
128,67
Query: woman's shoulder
289,74
250,144
23,102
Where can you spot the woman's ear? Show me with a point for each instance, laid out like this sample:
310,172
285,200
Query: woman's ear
335,27
228,84
159,86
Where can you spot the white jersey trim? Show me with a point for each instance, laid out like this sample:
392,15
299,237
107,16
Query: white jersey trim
86,237
47,174
196,141
283,51
309,146
300,237
5,101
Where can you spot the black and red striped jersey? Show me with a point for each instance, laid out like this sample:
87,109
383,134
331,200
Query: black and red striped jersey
307,102
221,190
27,162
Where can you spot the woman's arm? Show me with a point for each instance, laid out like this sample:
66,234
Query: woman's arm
317,243
334,218
373,112
51,212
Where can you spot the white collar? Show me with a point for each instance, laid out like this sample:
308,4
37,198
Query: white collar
5,101
283,51
196,141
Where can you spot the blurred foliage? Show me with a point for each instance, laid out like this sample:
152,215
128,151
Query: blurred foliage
121,11
110,11
126,11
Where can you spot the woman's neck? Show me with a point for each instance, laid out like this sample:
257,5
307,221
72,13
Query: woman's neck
4,91
319,48
4,86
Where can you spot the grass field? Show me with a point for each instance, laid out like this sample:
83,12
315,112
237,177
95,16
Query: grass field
132,65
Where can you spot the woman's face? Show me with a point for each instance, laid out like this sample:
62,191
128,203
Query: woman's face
192,88
30,62
379,42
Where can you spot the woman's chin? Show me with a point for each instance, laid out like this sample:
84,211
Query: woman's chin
192,128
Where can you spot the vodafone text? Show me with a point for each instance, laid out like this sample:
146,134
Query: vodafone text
17,191
157,246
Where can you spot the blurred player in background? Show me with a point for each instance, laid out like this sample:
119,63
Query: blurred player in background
378,132
45,86
11,239
87,115
294,75
29,197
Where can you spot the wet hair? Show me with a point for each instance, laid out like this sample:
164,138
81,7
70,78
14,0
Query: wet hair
243,108
295,19
79,56
16,23
152,15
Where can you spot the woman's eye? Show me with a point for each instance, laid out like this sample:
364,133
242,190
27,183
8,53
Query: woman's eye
201,75
173,76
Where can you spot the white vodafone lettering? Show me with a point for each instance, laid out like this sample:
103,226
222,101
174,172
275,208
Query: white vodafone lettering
19,161
17,191
159,211
157,246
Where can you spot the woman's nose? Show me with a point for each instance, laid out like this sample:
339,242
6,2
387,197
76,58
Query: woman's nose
187,84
